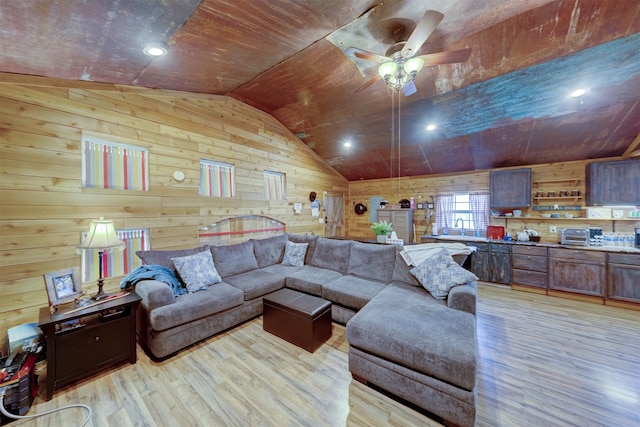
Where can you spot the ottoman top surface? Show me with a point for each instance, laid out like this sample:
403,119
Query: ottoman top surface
297,302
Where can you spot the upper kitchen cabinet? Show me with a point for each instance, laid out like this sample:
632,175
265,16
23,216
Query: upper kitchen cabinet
613,183
510,188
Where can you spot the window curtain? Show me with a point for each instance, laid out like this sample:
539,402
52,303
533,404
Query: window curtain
274,186
444,210
115,166
216,179
115,263
479,203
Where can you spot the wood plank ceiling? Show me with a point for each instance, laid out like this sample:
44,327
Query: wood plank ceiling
506,106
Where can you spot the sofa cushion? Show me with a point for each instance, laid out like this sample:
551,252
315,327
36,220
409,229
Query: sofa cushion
163,258
303,238
189,307
405,325
351,291
402,271
309,279
372,261
269,251
234,259
439,273
256,283
197,271
294,254
332,254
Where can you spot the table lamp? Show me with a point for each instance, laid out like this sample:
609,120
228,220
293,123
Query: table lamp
103,238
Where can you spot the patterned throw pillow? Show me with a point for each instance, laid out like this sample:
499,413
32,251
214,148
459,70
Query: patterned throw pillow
439,273
294,254
197,271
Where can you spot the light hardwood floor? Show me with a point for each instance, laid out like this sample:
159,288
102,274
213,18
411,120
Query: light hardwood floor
544,361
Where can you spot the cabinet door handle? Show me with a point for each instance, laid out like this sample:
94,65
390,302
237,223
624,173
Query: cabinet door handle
97,339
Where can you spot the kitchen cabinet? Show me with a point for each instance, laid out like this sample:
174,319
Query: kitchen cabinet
529,266
401,220
623,277
480,261
577,270
510,188
613,183
500,263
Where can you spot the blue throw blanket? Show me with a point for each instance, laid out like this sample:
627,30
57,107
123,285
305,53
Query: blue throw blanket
157,272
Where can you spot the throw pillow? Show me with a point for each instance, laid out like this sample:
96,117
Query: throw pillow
197,271
294,254
440,273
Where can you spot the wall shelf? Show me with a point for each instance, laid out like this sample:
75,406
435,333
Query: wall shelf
574,181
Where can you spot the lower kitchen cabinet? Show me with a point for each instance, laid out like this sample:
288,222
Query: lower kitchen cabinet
577,270
500,263
529,266
480,261
623,277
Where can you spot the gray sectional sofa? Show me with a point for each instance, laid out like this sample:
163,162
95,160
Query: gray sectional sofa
401,338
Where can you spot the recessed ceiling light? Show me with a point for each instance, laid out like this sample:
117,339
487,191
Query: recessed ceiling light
431,127
155,49
347,144
578,92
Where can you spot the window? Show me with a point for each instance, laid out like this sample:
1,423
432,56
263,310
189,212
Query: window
116,166
458,210
216,179
274,186
116,263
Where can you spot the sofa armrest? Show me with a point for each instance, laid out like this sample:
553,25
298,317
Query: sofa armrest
154,294
463,297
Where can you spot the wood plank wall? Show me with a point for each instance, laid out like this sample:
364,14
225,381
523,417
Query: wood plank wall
547,177
44,207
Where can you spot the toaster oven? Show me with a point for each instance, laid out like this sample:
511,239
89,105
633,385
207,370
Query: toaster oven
574,236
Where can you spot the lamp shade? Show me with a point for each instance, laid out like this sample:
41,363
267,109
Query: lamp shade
387,69
101,236
413,65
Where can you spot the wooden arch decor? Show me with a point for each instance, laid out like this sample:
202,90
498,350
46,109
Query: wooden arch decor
239,229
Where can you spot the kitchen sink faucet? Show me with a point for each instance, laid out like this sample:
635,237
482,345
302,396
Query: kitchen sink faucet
456,225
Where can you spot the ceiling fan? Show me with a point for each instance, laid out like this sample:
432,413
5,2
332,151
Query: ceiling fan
399,66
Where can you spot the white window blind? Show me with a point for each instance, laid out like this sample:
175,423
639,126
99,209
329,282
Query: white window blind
216,179
116,166
274,186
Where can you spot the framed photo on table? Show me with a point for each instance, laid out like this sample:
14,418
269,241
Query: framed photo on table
63,286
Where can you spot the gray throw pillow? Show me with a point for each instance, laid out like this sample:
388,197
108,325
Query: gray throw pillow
197,271
294,254
439,273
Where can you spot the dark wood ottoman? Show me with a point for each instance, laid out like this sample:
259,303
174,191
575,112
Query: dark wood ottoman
301,319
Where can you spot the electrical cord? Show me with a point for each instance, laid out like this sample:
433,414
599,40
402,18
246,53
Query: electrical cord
23,417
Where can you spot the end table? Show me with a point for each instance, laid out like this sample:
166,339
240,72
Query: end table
83,341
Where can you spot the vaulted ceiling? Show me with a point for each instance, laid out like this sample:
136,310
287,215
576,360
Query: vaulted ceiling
507,105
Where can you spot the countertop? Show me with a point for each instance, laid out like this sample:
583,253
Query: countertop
473,239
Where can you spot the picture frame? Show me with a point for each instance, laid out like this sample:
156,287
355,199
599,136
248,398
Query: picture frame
430,205
63,286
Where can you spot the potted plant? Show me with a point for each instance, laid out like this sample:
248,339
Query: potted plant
382,229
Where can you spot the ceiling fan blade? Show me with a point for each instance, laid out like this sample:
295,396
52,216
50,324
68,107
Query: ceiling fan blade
450,57
368,83
425,27
365,54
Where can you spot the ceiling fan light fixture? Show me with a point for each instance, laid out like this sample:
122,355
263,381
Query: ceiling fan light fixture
155,49
388,68
413,65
